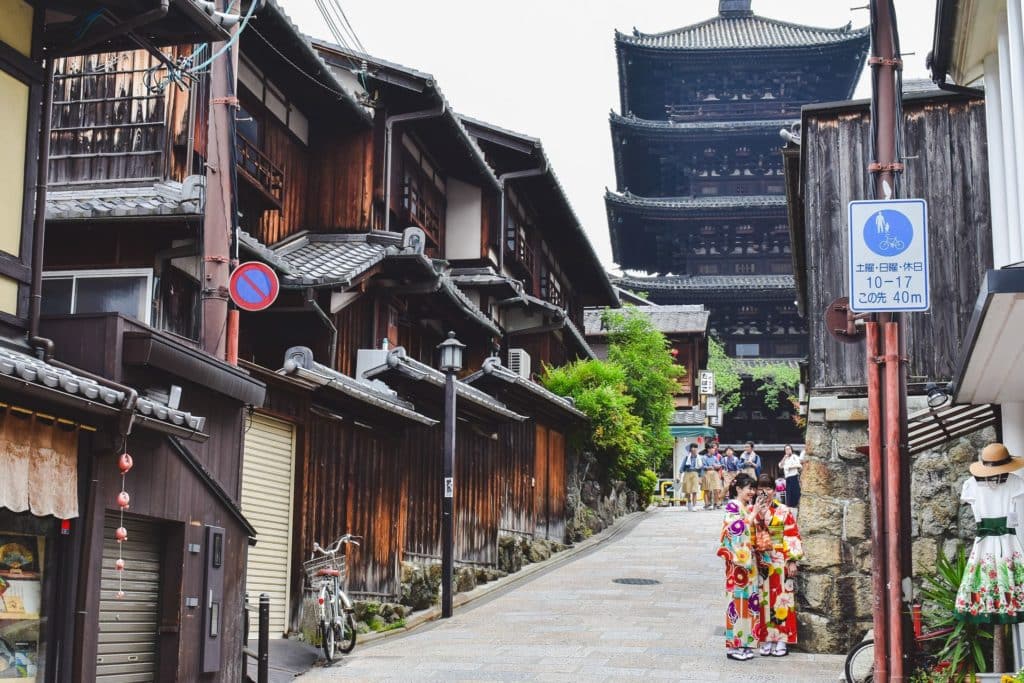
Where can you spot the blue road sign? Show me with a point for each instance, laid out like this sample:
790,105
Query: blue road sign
889,256
253,286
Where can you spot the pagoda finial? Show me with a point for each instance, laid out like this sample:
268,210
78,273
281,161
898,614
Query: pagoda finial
734,8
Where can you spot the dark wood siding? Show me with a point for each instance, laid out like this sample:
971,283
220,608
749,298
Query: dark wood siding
341,184
292,157
945,143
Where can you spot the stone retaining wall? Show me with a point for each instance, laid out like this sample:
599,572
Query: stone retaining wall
834,586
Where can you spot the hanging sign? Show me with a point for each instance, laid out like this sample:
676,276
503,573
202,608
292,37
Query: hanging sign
889,256
712,406
449,487
707,382
253,286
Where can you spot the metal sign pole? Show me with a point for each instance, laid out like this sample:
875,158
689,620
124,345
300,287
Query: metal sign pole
447,549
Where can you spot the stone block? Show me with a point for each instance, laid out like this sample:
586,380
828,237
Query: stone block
923,553
857,520
855,595
818,592
822,552
819,515
938,515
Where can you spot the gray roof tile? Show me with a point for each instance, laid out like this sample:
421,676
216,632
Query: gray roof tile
743,32
688,417
333,258
762,125
706,282
670,319
627,199
493,367
23,367
166,198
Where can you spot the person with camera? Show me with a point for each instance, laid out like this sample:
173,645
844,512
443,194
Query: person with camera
743,598
777,547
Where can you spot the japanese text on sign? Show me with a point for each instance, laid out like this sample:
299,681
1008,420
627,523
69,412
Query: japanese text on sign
889,255
707,382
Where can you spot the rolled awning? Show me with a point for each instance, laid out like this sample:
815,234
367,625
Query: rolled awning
692,431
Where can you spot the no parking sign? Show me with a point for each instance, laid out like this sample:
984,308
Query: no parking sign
253,286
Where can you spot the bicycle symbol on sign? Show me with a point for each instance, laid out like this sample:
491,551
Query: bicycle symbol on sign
888,241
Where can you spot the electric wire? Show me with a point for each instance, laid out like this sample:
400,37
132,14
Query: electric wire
337,34
339,93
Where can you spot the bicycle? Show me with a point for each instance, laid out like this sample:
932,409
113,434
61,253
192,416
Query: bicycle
325,574
860,661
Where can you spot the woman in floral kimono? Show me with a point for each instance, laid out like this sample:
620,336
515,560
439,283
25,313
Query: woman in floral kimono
777,542
743,609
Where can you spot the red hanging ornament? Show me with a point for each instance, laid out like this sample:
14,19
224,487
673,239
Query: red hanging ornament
123,499
121,534
124,463
119,565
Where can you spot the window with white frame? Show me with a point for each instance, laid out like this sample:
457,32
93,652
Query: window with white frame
125,290
748,350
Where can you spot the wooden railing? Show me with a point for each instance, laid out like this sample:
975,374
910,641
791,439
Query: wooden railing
423,207
263,173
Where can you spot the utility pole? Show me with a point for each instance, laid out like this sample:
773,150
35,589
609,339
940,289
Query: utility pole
888,461
218,220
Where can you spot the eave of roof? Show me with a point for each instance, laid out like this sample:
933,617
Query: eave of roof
689,129
163,199
627,200
531,391
428,84
400,363
323,376
667,319
708,282
743,32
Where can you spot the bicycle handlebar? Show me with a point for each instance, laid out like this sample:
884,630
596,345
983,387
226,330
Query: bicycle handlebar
333,548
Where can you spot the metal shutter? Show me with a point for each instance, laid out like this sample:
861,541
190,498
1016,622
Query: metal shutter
127,651
267,476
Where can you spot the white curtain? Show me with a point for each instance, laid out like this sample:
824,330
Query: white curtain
38,466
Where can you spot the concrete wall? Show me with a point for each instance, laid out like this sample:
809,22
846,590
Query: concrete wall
834,586
463,221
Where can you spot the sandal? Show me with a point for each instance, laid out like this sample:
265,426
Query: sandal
780,650
766,649
740,654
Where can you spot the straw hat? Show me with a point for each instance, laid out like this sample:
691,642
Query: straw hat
995,459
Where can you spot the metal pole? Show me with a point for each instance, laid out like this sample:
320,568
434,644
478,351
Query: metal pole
245,637
876,494
447,549
263,649
893,507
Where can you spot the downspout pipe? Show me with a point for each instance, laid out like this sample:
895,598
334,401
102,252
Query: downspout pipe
326,319
502,183
389,124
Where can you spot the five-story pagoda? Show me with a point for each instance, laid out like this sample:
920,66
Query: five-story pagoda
700,203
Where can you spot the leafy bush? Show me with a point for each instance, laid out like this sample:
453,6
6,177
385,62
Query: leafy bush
645,484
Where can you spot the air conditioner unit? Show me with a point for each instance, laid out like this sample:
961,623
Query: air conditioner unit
519,362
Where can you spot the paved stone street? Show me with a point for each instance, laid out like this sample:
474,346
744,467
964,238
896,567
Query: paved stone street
574,623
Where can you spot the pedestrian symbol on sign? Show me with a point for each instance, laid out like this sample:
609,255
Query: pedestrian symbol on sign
888,233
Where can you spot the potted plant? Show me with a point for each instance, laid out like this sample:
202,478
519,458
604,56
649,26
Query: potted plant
964,646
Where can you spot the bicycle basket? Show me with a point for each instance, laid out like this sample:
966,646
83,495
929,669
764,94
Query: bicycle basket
314,566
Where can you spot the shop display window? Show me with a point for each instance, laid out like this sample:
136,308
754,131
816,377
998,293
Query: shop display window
21,581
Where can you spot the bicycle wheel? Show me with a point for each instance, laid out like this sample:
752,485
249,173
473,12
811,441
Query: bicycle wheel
328,627
348,634
860,663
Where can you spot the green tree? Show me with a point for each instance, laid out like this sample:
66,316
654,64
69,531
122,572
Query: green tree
728,379
651,375
775,380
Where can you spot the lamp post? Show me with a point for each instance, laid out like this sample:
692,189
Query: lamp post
451,362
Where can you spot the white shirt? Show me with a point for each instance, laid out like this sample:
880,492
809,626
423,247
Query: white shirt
791,465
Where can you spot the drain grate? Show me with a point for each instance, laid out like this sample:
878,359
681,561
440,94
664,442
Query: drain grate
637,582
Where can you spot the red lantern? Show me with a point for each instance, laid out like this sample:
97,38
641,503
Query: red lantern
124,463
123,500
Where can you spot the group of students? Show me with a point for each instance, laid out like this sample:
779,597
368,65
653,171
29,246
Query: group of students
711,472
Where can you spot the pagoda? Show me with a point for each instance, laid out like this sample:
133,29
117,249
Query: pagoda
700,204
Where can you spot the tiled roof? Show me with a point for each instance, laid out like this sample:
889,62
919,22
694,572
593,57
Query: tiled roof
331,258
707,282
743,31
264,253
627,199
770,125
672,319
492,367
749,363
29,369
299,362
688,417
577,334
166,198
398,361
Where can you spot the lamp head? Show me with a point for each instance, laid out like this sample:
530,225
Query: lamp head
938,395
451,353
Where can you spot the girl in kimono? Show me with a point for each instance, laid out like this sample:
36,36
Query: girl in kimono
777,542
743,608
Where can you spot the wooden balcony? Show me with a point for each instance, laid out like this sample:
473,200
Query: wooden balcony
423,208
260,172
733,109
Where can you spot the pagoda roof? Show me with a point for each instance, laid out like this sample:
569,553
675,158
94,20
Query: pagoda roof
741,30
707,282
640,126
628,200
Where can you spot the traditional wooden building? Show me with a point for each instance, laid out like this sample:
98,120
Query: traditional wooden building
79,391
699,203
946,155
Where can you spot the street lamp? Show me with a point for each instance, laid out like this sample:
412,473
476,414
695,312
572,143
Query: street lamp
451,362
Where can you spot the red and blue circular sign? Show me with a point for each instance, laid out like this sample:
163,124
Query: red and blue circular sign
253,286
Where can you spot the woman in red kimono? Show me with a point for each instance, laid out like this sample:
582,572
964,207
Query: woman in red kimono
778,547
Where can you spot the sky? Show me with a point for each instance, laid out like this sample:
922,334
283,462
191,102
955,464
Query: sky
547,68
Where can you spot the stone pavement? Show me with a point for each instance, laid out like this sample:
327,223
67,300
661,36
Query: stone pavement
574,622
